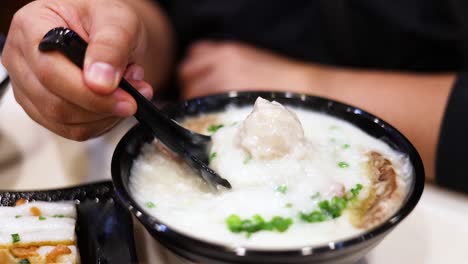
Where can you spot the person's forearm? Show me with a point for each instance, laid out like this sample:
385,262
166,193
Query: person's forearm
413,103
160,48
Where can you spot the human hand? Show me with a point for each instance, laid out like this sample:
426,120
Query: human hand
54,92
214,67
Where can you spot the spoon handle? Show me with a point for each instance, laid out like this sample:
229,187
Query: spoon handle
74,47
192,147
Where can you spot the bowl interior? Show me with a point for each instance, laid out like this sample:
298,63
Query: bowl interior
129,148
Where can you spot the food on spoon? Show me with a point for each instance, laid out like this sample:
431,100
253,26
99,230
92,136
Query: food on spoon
38,232
299,178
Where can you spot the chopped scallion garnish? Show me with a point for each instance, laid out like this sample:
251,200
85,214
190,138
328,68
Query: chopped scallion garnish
343,164
214,127
315,196
313,217
283,188
41,218
256,224
150,205
247,158
15,238
354,192
212,156
330,209
58,216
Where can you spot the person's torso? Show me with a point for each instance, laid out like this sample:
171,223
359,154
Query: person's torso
420,35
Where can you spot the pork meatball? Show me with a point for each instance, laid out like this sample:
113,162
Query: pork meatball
270,131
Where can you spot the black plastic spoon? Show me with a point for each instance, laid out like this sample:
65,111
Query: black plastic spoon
192,147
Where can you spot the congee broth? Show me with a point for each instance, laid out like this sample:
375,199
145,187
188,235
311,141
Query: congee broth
299,178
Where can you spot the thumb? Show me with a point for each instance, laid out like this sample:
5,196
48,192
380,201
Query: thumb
114,35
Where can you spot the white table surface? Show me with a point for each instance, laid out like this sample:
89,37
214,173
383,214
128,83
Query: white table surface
436,231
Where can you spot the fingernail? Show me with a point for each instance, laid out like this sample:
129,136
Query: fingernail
138,75
123,109
102,74
147,92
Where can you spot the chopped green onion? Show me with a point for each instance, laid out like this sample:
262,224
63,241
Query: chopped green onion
58,216
24,261
214,127
212,156
41,218
313,217
237,225
281,224
282,188
247,158
345,146
354,192
343,164
234,223
288,205
333,208
315,196
150,205
15,238
18,216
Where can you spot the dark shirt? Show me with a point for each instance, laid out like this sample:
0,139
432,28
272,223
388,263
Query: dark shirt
418,35
408,35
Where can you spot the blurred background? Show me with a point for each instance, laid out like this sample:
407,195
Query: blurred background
7,10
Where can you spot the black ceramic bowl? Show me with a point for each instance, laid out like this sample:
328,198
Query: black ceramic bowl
344,251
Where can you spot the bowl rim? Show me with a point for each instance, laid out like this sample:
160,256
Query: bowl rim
4,76
414,192
3,81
